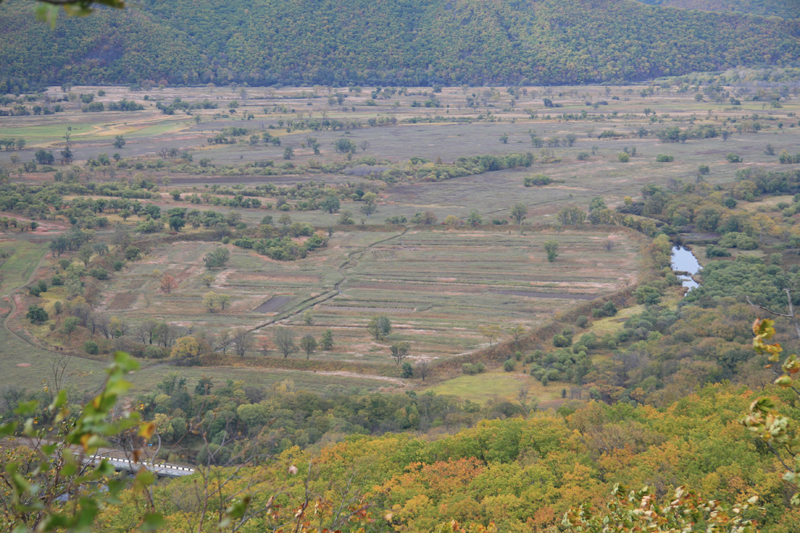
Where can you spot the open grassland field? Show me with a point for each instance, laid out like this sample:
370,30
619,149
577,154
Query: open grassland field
456,130
437,284
499,386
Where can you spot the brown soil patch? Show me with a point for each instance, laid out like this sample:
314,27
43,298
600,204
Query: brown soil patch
122,301
273,277
562,295
273,304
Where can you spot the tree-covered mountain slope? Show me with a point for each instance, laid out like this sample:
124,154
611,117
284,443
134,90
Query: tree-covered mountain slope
398,42
767,8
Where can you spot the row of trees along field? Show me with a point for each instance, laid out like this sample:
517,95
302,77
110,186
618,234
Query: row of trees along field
411,43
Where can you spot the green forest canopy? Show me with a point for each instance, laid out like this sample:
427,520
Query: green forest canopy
406,42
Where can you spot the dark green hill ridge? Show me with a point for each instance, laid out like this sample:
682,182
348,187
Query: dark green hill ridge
390,42
767,8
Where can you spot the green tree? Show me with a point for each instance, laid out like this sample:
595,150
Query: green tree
176,223
308,344
44,157
217,258
70,325
210,300
345,218
571,216
284,340
327,340
379,327
119,141
474,219
519,212
37,315
85,254
400,351
330,204
551,247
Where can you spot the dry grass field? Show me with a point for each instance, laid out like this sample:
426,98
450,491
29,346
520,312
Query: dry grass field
438,285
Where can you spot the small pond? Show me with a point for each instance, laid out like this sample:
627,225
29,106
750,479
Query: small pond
684,261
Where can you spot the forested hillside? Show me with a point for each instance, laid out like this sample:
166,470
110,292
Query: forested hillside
767,8
411,42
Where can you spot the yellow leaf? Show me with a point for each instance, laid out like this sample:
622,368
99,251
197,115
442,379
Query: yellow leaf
147,430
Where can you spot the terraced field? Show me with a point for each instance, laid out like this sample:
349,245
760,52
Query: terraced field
438,287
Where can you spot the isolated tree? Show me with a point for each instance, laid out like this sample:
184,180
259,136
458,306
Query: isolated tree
369,206
284,340
67,156
519,212
168,284
330,204
223,300
37,315
517,332
70,325
308,317
308,344
185,347
551,247
345,218
327,340
379,327
474,219
492,332
400,351
119,141
210,300
242,341
364,145
217,258
422,369
208,280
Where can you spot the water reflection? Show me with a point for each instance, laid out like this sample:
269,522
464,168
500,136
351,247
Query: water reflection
683,260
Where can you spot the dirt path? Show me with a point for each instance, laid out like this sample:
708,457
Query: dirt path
336,290
337,373
10,296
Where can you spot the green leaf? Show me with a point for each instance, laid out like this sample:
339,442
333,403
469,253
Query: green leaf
7,430
152,522
143,479
26,408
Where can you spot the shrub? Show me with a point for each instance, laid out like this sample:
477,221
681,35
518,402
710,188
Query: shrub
582,321
90,347
99,273
583,156
118,265
408,370
510,365
661,158
155,352
733,158
537,180
471,369
703,169
623,157
34,290
57,281
717,251
560,341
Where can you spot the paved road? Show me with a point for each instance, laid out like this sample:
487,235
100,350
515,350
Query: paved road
159,469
